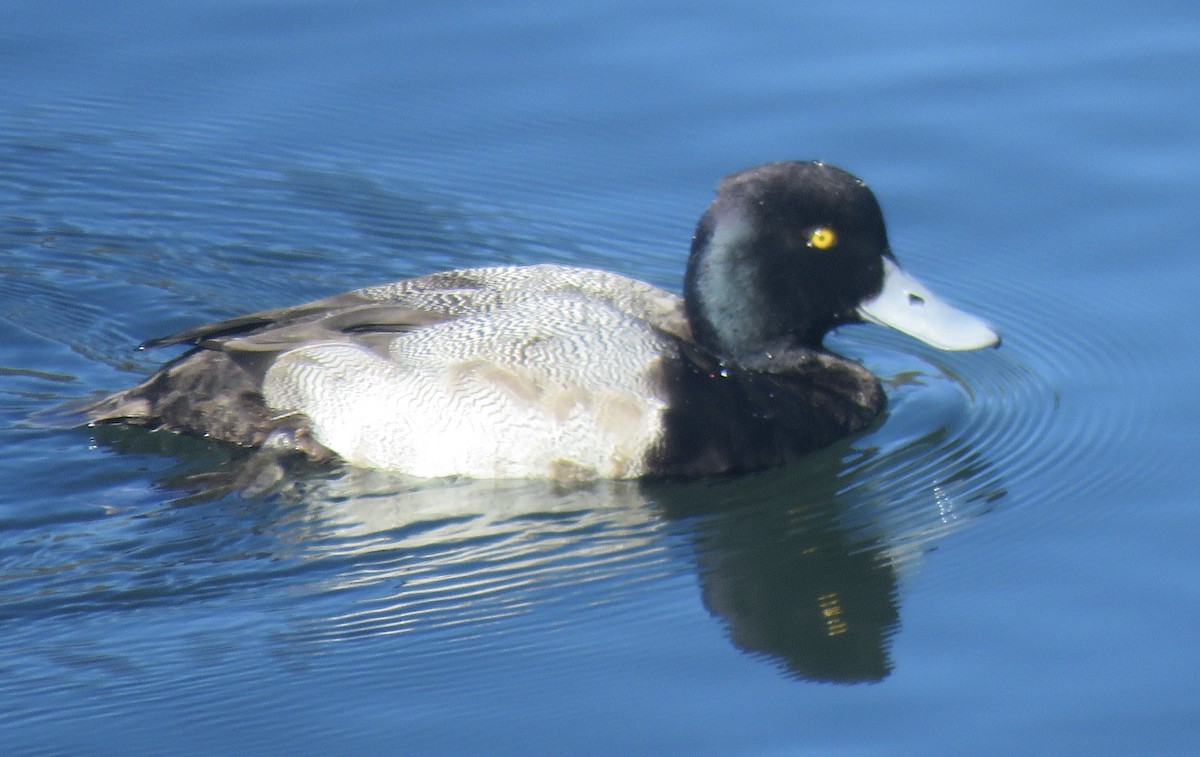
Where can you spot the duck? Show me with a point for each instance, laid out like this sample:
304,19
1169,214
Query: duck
570,373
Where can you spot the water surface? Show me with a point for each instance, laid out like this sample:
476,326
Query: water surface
1005,564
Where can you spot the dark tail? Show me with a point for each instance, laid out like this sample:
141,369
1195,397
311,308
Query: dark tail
126,407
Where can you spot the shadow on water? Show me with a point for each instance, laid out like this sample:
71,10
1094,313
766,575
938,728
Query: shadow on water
802,564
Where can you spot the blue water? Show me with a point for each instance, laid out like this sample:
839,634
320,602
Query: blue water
1006,565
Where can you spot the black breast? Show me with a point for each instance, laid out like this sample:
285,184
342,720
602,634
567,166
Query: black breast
730,418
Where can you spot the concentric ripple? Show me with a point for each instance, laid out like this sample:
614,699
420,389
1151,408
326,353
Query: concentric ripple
1025,425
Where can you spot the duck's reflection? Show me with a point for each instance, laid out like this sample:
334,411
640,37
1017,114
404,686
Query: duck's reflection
801,564
794,583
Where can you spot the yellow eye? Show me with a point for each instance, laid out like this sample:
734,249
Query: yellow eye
822,238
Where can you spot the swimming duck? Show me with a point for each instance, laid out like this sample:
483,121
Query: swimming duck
551,371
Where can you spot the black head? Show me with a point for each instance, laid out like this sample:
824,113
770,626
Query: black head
784,253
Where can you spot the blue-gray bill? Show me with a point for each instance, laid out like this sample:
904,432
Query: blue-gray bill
908,306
